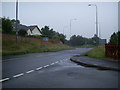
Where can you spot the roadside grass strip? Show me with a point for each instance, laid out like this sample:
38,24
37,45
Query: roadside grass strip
18,75
2,80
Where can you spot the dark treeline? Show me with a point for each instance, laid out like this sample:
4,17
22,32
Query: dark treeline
115,38
77,40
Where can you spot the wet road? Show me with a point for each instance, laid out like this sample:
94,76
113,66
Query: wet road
54,70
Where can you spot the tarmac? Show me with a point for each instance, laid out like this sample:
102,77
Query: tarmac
96,63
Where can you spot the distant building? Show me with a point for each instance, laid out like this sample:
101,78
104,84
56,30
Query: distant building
31,30
102,41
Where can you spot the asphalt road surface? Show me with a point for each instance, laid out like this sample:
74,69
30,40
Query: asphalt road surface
53,70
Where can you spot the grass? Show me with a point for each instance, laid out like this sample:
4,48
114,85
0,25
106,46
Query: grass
84,46
28,45
97,52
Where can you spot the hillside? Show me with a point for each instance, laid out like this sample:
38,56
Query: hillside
29,45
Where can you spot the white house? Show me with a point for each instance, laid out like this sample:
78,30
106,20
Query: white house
33,30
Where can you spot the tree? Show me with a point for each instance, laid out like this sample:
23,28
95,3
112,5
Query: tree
45,31
77,40
22,32
115,38
6,25
14,21
62,38
95,40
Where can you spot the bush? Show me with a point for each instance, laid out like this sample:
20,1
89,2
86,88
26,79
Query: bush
22,32
6,25
37,36
13,32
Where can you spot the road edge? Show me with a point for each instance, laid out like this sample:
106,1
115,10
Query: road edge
94,66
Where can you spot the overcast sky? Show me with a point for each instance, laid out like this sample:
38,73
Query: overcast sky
57,15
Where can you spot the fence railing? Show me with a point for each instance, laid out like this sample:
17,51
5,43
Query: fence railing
112,50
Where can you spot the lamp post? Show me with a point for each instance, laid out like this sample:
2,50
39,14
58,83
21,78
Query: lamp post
16,27
70,24
64,29
96,19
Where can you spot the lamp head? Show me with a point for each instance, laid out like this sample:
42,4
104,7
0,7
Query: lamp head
89,4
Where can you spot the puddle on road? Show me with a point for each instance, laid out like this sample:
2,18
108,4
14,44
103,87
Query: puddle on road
61,66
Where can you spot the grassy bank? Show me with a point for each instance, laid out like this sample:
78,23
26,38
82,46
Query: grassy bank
96,52
28,45
99,53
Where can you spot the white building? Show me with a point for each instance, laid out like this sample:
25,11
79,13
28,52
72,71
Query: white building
31,30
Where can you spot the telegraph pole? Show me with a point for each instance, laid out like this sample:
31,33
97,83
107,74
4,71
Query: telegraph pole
96,20
70,24
16,21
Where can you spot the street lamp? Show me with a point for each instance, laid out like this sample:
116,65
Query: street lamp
96,18
16,27
64,30
70,24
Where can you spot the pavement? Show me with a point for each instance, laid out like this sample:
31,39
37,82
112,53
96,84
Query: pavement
96,63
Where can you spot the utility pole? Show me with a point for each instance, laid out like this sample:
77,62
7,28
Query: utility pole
16,21
64,30
70,24
96,20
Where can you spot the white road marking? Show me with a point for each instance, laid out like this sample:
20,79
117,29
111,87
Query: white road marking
18,75
52,63
39,68
46,66
30,71
2,80
57,62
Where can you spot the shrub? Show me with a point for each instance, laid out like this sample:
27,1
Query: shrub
22,32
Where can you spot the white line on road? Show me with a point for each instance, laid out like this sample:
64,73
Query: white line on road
18,75
45,66
52,63
57,61
39,68
30,71
2,80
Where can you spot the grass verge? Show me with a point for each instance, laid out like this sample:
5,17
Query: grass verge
28,45
98,52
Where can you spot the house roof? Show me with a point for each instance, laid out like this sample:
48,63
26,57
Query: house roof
24,27
32,27
20,26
